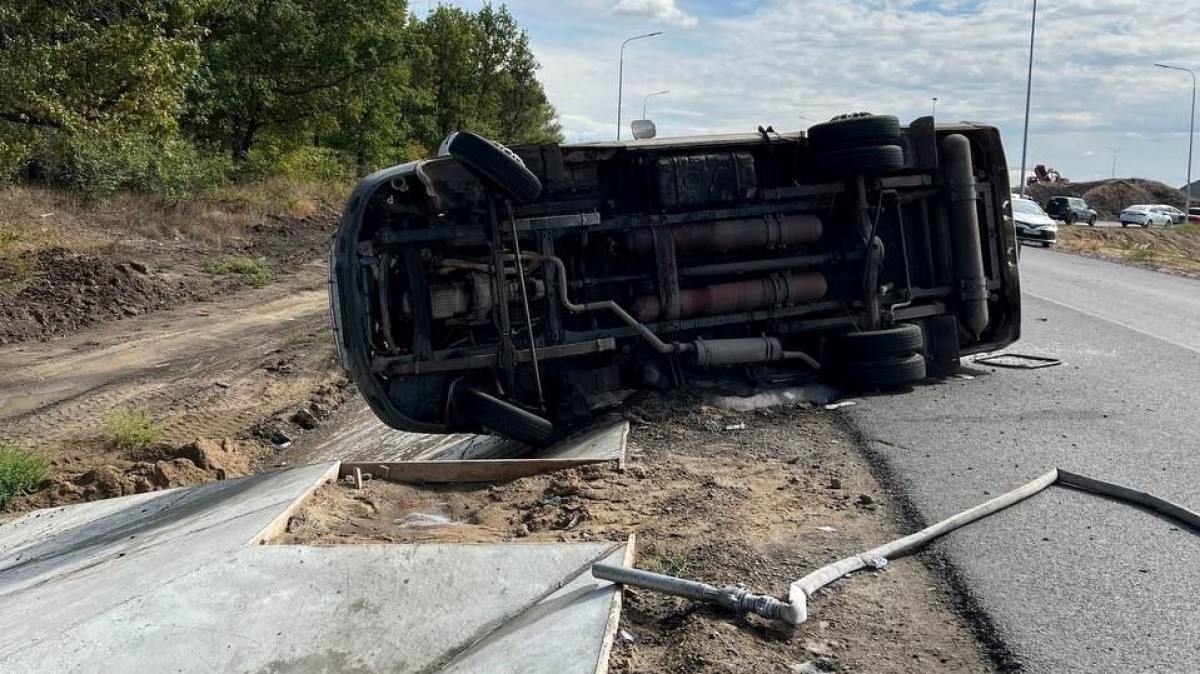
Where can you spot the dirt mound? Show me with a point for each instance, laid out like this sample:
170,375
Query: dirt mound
292,241
68,291
1110,197
145,470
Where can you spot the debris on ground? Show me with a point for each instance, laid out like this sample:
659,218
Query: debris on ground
715,507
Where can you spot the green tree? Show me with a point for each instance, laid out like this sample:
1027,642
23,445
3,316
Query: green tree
477,72
68,65
283,66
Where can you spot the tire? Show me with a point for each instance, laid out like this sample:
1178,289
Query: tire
1070,219
1092,221
1124,224
494,162
862,131
884,374
1045,244
504,418
858,160
902,340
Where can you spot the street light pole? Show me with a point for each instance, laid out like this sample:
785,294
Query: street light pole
621,74
1191,134
934,110
1116,151
647,98
1028,95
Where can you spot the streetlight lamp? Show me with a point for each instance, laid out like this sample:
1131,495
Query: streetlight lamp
1191,133
621,74
1028,93
647,98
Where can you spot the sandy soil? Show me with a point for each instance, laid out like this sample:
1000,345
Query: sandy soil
1173,251
760,506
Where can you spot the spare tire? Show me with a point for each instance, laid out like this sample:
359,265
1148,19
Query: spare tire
497,164
901,340
858,160
883,374
504,418
858,131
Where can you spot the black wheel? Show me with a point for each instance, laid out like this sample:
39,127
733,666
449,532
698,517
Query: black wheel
856,160
1124,224
498,164
860,131
504,418
1045,244
883,374
1070,219
1092,221
902,340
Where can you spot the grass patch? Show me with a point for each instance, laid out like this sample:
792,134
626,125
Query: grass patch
299,339
253,272
1138,255
663,562
132,429
21,471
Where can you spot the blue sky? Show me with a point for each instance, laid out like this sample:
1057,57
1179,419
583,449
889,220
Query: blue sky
733,65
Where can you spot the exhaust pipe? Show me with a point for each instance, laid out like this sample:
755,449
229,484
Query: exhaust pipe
964,234
724,298
769,232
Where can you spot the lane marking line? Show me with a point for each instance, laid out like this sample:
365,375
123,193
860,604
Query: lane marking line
1127,326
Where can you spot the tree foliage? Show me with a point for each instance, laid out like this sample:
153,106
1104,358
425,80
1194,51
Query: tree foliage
140,89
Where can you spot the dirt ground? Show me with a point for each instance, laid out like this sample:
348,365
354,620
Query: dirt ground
1173,251
233,374
761,506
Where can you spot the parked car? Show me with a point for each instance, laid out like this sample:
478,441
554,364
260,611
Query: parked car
1177,215
1070,210
1194,214
1144,216
1032,223
522,291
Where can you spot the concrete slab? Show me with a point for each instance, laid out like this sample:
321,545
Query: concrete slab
64,566
483,608
597,444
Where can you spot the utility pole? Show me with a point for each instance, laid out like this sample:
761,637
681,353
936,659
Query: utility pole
1028,95
933,112
1191,134
1116,151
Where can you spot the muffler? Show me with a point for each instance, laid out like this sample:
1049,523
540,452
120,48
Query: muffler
724,298
964,234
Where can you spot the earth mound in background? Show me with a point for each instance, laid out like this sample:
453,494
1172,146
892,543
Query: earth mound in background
1110,197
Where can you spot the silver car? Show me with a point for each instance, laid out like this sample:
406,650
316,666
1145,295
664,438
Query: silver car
1032,223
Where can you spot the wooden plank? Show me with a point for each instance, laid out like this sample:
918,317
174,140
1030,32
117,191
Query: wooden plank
614,615
484,470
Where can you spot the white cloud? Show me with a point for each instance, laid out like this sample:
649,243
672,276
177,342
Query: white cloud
661,10
791,62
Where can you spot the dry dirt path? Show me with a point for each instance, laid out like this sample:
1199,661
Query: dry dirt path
206,370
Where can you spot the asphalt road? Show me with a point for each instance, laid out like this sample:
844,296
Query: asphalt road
1070,582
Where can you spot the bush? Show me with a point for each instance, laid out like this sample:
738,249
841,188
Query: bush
305,164
254,272
132,429
20,471
100,164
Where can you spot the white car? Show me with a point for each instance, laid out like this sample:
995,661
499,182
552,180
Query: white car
1032,223
1177,215
1144,216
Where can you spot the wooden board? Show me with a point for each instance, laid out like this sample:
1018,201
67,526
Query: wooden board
486,470
614,616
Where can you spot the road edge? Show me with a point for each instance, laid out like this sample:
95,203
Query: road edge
964,600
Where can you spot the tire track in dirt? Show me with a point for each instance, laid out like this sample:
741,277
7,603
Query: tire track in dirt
205,370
